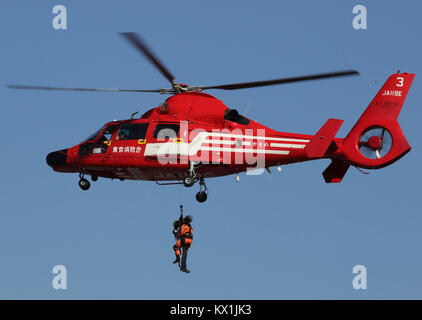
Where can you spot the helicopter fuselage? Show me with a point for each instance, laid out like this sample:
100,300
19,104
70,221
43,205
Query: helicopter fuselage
188,128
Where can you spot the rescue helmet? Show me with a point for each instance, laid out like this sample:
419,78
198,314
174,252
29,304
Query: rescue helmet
188,219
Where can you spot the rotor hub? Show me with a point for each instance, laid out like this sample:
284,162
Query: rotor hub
375,142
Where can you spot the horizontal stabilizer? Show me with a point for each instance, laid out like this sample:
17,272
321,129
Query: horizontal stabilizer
319,144
335,171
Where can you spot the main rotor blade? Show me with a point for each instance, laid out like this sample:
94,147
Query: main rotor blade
244,85
136,41
12,86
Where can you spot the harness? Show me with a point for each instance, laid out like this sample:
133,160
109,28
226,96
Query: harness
188,234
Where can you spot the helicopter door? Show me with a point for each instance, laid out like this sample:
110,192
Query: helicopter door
129,142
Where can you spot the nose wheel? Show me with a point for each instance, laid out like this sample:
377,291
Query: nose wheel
202,195
83,183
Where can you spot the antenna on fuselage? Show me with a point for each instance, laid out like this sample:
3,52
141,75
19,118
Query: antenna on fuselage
133,114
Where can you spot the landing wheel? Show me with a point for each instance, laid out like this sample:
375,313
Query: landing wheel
84,184
189,182
94,178
201,196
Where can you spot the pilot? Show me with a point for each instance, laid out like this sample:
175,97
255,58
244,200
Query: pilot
184,236
121,135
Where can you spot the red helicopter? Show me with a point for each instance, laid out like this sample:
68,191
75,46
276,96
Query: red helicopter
193,135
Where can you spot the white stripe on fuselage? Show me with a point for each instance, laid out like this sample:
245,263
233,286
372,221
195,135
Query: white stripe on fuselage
227,135
260,151
191,148
218,141
286,145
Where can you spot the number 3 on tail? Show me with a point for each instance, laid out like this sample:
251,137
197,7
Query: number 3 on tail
400,81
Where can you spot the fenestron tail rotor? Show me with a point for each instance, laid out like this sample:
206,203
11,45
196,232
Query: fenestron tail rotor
141,46
375,143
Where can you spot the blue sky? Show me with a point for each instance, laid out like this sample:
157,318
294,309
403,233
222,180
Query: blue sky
280,236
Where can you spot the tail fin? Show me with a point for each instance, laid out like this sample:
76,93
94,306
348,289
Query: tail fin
389,100
377,140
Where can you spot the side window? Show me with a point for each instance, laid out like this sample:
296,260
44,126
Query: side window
102,143
132,131
164,132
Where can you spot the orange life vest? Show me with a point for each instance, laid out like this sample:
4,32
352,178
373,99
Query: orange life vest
186,231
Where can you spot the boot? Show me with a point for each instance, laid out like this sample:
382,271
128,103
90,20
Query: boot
177,259
184,270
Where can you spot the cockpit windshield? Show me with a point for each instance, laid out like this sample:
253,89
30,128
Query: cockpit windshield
93,136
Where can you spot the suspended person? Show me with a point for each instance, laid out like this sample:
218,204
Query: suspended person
184,236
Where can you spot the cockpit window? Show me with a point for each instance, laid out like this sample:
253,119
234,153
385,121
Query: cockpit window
108,132
132,131
233,115
93,136
103,142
